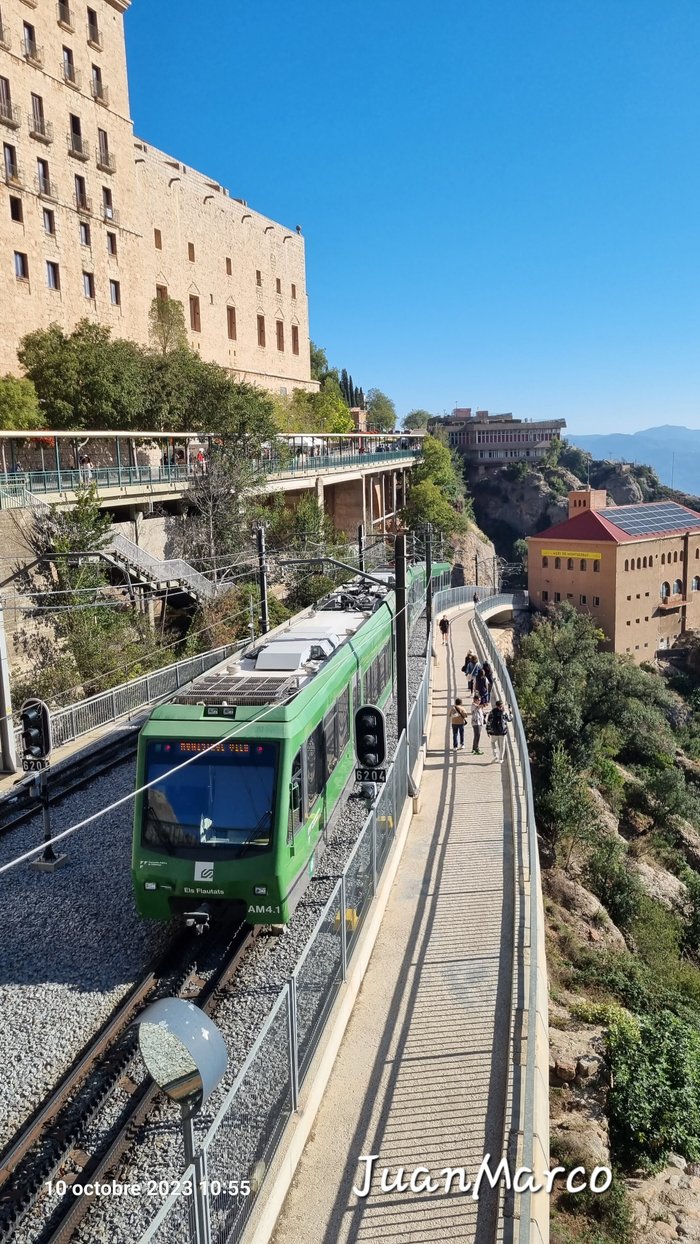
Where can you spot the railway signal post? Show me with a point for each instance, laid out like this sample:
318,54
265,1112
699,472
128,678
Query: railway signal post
37,743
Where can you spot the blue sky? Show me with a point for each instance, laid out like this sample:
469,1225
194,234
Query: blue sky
499,199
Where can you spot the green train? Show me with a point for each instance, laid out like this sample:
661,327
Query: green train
244,824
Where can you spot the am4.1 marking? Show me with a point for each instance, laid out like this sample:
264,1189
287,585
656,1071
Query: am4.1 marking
370,775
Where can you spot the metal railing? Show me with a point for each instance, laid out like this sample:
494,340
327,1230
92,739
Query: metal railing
40,128
105,159
69,480
158,570
526,1108
81,718
251,1120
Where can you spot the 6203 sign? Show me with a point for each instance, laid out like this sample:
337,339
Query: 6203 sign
370,775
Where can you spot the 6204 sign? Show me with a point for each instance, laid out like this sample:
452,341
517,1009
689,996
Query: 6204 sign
370,775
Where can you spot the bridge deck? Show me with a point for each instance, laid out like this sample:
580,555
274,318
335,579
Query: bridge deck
422,1075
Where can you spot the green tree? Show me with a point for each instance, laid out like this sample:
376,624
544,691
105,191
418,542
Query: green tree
319,361
19,406
416,420
344,389
216,530
427,503
566,808
382,412
437,463
166,320
84,379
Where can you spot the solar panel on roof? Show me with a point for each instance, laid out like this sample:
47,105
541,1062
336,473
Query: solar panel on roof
659,516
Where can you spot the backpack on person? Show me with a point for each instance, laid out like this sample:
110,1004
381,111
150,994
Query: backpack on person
496,721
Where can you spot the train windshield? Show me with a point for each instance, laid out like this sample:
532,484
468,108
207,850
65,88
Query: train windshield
223,799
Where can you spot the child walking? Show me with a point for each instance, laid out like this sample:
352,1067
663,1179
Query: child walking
477,726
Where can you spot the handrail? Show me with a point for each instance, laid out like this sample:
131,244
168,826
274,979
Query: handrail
526,1230
158,569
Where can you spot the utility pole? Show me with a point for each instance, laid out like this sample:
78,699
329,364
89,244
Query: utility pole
361,547
428,579
7,734
262,580
401,635
476,570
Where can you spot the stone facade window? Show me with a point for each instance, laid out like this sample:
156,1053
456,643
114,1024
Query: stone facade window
261,330
295,338
195,318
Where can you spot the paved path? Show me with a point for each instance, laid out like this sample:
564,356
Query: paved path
421,1076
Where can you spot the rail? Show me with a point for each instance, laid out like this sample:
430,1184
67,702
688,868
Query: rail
123,701
158,570
277,466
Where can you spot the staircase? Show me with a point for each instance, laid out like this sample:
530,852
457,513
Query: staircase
156,571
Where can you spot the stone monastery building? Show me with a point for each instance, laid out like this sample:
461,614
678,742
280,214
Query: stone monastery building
95,222
634,568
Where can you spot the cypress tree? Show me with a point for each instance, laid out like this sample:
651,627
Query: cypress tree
344,384
351,392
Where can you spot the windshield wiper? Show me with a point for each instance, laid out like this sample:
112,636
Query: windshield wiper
249,841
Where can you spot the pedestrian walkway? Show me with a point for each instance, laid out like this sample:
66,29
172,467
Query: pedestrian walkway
422,1074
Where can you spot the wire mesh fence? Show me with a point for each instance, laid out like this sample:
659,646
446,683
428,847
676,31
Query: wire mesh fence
109,706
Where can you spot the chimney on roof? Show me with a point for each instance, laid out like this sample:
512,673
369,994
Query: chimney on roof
581,499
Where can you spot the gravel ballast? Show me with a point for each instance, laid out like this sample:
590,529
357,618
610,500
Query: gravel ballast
108,949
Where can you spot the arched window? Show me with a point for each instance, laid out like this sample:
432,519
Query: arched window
557,563
644,563
545,562
675,556
583,563
570,563
677,587
663,559
665,591
696,584
680,558
651,561
639,563
697,552
627,564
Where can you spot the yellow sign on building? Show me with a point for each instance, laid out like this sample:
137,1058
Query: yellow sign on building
595,557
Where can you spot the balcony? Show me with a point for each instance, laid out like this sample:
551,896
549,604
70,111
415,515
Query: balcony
33,54
77,147
9,115
12,174
83,204
94,38
100,93
106,160
40,128
64,16
674,601
71,77
45,188
110,214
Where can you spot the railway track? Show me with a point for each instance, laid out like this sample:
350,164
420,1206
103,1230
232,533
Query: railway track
68,776
50,1139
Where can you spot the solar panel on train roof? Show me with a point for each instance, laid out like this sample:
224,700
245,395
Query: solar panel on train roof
242,689
647,519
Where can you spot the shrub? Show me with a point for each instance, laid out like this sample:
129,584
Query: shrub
654,1102
608,876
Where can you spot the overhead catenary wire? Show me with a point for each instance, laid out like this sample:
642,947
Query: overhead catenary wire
117,803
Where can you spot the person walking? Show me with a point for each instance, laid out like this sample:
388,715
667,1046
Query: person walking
481,687
477,726
497,730
444,628
486,667
470,668
475,598
457,719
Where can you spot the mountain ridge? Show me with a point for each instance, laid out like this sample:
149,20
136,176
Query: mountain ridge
671,450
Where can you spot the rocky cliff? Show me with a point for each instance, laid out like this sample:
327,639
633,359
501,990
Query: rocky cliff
519,499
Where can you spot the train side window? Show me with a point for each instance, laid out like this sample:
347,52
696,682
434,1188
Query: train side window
314,765
296,810
343,722
330,722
